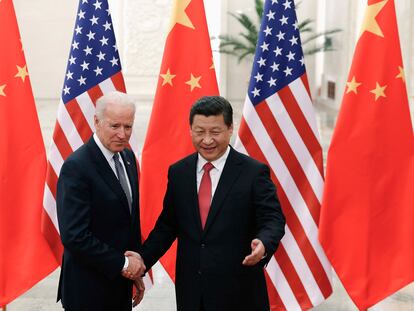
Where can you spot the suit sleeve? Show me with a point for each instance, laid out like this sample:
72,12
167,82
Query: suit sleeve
270,221
74,215
164,232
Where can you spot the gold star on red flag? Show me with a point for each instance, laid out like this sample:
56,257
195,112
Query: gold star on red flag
194,82
2,87
179,15
401,75
370,23
167,78
352,86
21,72
379,91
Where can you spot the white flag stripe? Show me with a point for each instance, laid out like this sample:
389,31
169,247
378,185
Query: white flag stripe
239,145
88,108
282,286
301,95
55,159
295,141
107,86
49,204
302,267
68,127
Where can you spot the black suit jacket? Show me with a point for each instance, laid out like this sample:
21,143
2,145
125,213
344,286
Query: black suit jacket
96,229
209,262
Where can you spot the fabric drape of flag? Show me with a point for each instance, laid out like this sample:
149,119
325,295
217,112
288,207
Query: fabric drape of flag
186,74
25,257
278,127
367,217
93,69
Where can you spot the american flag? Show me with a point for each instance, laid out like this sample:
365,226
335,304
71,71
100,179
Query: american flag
93,69
278,127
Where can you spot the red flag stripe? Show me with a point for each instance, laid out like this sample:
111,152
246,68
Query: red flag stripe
79,120
274,298
61,142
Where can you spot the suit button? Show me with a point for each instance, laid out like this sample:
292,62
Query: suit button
199,272
203,245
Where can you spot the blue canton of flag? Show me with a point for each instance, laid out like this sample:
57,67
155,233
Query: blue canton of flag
93,56
278,61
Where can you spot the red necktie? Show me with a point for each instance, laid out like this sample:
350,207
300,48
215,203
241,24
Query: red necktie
204,193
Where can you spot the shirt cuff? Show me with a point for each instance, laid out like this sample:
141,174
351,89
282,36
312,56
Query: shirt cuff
126,264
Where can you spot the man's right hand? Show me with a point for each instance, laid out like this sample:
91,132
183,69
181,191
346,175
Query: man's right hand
136,267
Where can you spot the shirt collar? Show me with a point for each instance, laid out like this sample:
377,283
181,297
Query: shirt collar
218,164
108,154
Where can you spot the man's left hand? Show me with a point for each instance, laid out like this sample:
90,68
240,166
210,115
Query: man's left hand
140,289
257,254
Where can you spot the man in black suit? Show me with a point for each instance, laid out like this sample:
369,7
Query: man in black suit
222,207
98,214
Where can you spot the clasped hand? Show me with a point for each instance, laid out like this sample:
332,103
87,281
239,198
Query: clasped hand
136,267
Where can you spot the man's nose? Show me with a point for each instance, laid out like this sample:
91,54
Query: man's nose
208,139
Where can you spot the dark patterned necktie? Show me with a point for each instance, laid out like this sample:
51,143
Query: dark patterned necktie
122,179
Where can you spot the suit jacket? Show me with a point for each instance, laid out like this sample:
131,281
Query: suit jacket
96,229
209,262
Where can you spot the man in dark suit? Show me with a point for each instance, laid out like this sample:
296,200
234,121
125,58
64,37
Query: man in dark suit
222,207
98,214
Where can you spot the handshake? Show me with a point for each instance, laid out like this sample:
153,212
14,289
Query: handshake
135,270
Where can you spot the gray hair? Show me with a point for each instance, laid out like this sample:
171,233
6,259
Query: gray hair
115,97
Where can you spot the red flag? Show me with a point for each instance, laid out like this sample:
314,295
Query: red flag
278,127
186,74
25,256
367,217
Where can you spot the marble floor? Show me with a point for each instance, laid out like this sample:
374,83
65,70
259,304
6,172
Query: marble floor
42,297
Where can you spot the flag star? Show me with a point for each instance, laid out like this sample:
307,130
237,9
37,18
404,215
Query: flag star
275,67
401,75
370,23
107,25
256,92
91,35
84,1
101,56
104,41
296,25
284,20
287,4
94,20
107,11
280,36
379,91
66,90
302,61
97,5
78,30
114,61
270,15
167,78
2,87
352,86
21,72
274,1
265,46
288,71
261,62
98,71
268,31
75,45
180,16
194,82
69,75
291,56
258,77
294,40
81,15
85,66
278,51
72,60
82,80
272,82
115,48
87,50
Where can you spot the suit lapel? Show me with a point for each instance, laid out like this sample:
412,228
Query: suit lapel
129,167
231,172
106,172
191,178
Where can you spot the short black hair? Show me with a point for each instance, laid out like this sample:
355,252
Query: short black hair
212,106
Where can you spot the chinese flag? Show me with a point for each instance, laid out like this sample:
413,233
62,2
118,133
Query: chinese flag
367,216
25,257
187,73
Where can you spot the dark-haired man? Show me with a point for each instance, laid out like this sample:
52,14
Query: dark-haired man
222,207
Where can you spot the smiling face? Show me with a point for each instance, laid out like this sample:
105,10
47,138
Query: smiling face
115,128
210,136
